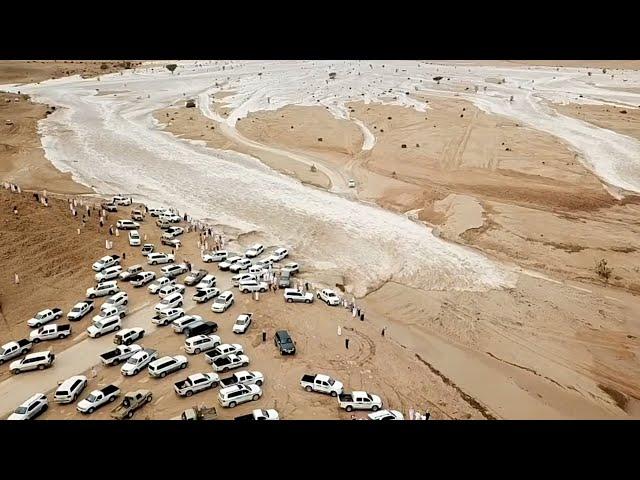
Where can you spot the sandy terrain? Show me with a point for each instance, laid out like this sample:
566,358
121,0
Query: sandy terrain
559,344
31,71
22,159
366,364
605,116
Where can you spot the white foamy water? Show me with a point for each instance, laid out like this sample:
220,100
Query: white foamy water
111,142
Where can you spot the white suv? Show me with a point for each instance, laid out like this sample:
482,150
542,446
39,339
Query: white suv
216,256
102,289
163,366
237,394
169,289
159,257
241,264
30,408
134,238
293,295
33,361
70,389
159,283
222,302
173,300
250,285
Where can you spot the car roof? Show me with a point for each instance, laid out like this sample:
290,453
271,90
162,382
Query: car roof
37,354
70,381
32,399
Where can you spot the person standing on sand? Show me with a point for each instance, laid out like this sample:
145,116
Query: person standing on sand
346,343
384,329
339,331
15,209
362,316
16,279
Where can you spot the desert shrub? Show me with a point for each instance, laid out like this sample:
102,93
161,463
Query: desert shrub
603,270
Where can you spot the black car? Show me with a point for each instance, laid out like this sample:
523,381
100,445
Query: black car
284,342
200,328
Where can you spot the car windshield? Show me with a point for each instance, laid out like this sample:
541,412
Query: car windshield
91,398
40,315
21,410
331,381
241,321
76,309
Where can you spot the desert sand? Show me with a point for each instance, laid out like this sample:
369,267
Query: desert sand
561,343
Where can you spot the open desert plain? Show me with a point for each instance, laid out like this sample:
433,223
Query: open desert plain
477,223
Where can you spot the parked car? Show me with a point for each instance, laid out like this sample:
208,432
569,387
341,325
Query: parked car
31,408
359,401
134,238
69,390
195,383
329,297
284,342
109,311
293,295
130,273
141,279
33,361
127,225
128,336
352,183
173,271
248,286
179,324
293,267
166,316
200,413
243,377
222,302
237,394
242,323
386,415
79,310
173,232
280,254
44,316
322,384
131,402
171,217
200,328
207,282
260,414
201,343
102,289
155,212
205,294
159,283
50,332
119,354
236,279
109,207
100,327
226,264
147,248
254,250
194,277
121,200
163,224
14,349
138,361
165,365
224,364
137,215
117,300
110,273
224,350
98,398
215,256
171,242
106,262
173,300
157,258
169,289
241,264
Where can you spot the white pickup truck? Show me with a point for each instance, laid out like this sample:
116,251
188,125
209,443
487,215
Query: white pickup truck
98,398
195,383
224,350
243,377
260,414
50,332
106,262
359,401
138,361
230,362
322,384
44,316
13,349
118,354
79,310
108,311
166,316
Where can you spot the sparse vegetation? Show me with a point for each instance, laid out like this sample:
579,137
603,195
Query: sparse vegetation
172,66
603,271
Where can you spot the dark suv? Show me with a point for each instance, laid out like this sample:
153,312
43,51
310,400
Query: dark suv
200,328
284,342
